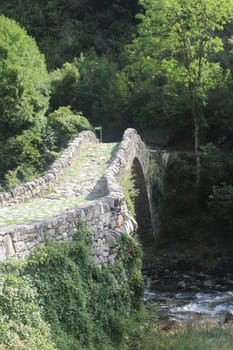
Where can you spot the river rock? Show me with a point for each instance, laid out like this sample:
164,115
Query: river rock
181,284
208,284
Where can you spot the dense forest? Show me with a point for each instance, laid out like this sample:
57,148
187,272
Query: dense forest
163,67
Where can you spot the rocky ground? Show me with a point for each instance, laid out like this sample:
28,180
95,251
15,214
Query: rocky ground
188,269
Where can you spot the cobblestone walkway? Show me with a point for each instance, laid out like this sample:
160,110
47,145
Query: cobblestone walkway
80,183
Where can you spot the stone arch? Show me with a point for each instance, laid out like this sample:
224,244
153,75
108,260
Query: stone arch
108,217
142,204
133,153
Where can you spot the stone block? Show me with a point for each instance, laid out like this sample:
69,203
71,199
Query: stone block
8,245
24,235
107,219
96,260
113,224
110,201
51,232
120,220
97,212
65,236
112,241
31,245
20,247
111,258
2,253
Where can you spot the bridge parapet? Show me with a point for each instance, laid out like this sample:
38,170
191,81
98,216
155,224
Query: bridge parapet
43,183
108,217
132,148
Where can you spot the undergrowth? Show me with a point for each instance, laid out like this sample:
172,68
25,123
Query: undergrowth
59,299
202,337
151,334
130,192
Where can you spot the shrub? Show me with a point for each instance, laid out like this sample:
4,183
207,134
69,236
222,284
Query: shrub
130,192
90,84
25,155
66,124
22,325
216,168
99,94
220,203
59,299
24,83
24,95
63,82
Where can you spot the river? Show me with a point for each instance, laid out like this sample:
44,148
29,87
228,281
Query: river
191,307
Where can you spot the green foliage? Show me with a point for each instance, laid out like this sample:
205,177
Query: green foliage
24,155
65,125
217,168
24,81
131,257
149,107
64,29
59,299
90,84
177,47
179,212
24,95
219,110
179,43
98,94
157,170
22,325
210,217
27,140
150,334
203,337
130,192
221,208
63,83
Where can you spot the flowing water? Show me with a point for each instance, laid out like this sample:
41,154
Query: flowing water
198,307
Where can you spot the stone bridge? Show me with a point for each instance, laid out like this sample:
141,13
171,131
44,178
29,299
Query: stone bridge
108,215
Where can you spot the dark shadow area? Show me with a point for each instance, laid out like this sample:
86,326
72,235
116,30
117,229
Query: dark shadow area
142,208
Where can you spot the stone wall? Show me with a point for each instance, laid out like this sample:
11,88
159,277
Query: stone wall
107,224
132,147
43,183
108,217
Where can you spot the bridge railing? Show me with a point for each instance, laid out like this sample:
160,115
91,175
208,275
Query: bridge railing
108,217
56,170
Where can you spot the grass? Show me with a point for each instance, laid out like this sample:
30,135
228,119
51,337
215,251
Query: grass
151,336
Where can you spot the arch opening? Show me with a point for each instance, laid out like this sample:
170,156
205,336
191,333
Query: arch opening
142,207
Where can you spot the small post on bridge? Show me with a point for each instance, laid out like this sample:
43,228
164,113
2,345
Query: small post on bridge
99,129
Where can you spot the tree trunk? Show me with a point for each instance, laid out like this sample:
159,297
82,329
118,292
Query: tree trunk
197,152
196,137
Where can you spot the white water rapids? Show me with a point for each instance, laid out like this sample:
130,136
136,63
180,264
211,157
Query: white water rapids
195,307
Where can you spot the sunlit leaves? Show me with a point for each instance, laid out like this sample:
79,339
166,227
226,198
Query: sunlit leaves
181,37
24,79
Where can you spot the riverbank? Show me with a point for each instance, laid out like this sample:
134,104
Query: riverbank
205,337
186,277
190,266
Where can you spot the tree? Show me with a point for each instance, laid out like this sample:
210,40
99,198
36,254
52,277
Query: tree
24,90
65,28
90,84
24,97
178,40
65,124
